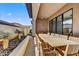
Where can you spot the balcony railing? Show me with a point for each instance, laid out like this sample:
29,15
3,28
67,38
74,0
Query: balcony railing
24,48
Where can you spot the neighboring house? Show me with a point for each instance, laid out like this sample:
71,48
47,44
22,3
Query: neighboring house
8,27
11,27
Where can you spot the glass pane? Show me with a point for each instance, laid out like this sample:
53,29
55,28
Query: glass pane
67,22
50,26
54,25
59,24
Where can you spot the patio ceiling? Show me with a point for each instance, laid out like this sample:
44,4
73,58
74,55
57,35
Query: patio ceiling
48,9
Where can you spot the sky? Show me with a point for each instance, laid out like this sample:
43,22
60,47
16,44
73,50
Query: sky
14,12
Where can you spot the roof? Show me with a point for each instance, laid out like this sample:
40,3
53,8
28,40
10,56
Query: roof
29,9
7,23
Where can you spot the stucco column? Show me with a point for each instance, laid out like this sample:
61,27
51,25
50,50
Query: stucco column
35,10
33,27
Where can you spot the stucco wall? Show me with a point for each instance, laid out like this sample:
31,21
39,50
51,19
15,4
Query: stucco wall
41,26
7,28
47,9
27,30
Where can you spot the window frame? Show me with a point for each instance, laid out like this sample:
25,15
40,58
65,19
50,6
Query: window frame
63,19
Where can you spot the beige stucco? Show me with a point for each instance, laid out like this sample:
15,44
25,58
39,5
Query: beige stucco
7,28
41,26
35,9
21,49
11,29
5,43
47,9
27,29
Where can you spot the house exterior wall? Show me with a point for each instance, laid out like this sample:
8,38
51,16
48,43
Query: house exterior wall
7,28
41,26
11,29
27,30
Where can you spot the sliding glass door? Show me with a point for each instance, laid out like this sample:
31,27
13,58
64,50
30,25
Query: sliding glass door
59,24
67,22
54,25
50,26
62,24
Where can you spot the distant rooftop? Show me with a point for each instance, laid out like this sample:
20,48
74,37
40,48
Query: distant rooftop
7,23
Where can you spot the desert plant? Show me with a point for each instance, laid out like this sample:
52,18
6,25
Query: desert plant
17,31
6,35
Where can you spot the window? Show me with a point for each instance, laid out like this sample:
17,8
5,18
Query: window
62,24
50,26
67,22
54,25
59,24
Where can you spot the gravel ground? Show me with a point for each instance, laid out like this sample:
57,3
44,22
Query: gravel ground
12,45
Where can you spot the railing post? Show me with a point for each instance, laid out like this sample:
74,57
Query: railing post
36,46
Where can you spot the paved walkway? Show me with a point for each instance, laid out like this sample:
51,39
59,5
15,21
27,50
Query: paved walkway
30,51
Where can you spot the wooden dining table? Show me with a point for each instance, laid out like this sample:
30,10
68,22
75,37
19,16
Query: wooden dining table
56,41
